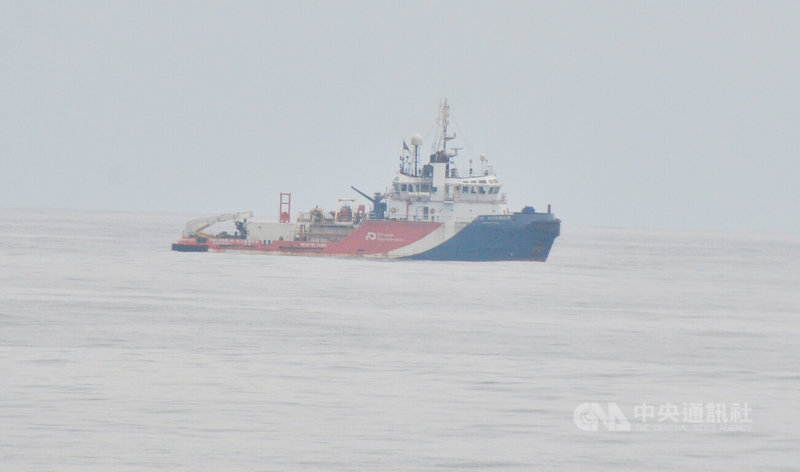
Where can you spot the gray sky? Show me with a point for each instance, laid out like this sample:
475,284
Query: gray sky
644,114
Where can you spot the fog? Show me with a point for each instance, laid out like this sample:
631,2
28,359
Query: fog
634,114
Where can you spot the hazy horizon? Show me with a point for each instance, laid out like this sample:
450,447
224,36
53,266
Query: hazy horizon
619,114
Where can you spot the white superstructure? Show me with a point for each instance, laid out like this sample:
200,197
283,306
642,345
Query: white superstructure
435,191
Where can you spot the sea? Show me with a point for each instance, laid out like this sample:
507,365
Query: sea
629,349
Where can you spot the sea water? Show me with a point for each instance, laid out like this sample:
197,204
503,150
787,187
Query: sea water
618,353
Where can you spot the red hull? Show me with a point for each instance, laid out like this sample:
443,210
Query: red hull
371,238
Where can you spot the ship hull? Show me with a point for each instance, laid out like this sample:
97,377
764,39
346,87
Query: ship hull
518,236
525,237
190,246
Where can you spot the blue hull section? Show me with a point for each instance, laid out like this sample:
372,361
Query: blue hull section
520,236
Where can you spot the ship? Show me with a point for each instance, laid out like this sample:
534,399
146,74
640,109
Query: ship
430,211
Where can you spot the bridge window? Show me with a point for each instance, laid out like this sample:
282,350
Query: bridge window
404,187
481,189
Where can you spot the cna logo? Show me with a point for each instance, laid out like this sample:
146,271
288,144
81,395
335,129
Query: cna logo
371,236
589,416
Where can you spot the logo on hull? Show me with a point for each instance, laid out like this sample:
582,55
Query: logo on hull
383,237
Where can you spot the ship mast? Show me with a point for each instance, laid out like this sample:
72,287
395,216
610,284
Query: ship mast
440,153
445,118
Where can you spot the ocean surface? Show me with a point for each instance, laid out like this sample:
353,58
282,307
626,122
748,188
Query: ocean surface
118,354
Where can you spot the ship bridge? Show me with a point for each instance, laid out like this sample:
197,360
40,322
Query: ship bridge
418,199
436,192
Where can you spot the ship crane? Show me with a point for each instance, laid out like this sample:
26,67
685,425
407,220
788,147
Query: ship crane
378,205
194,227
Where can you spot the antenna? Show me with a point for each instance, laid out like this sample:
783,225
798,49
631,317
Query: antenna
445,117
416,141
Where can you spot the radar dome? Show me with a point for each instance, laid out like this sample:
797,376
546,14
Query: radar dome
416,140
